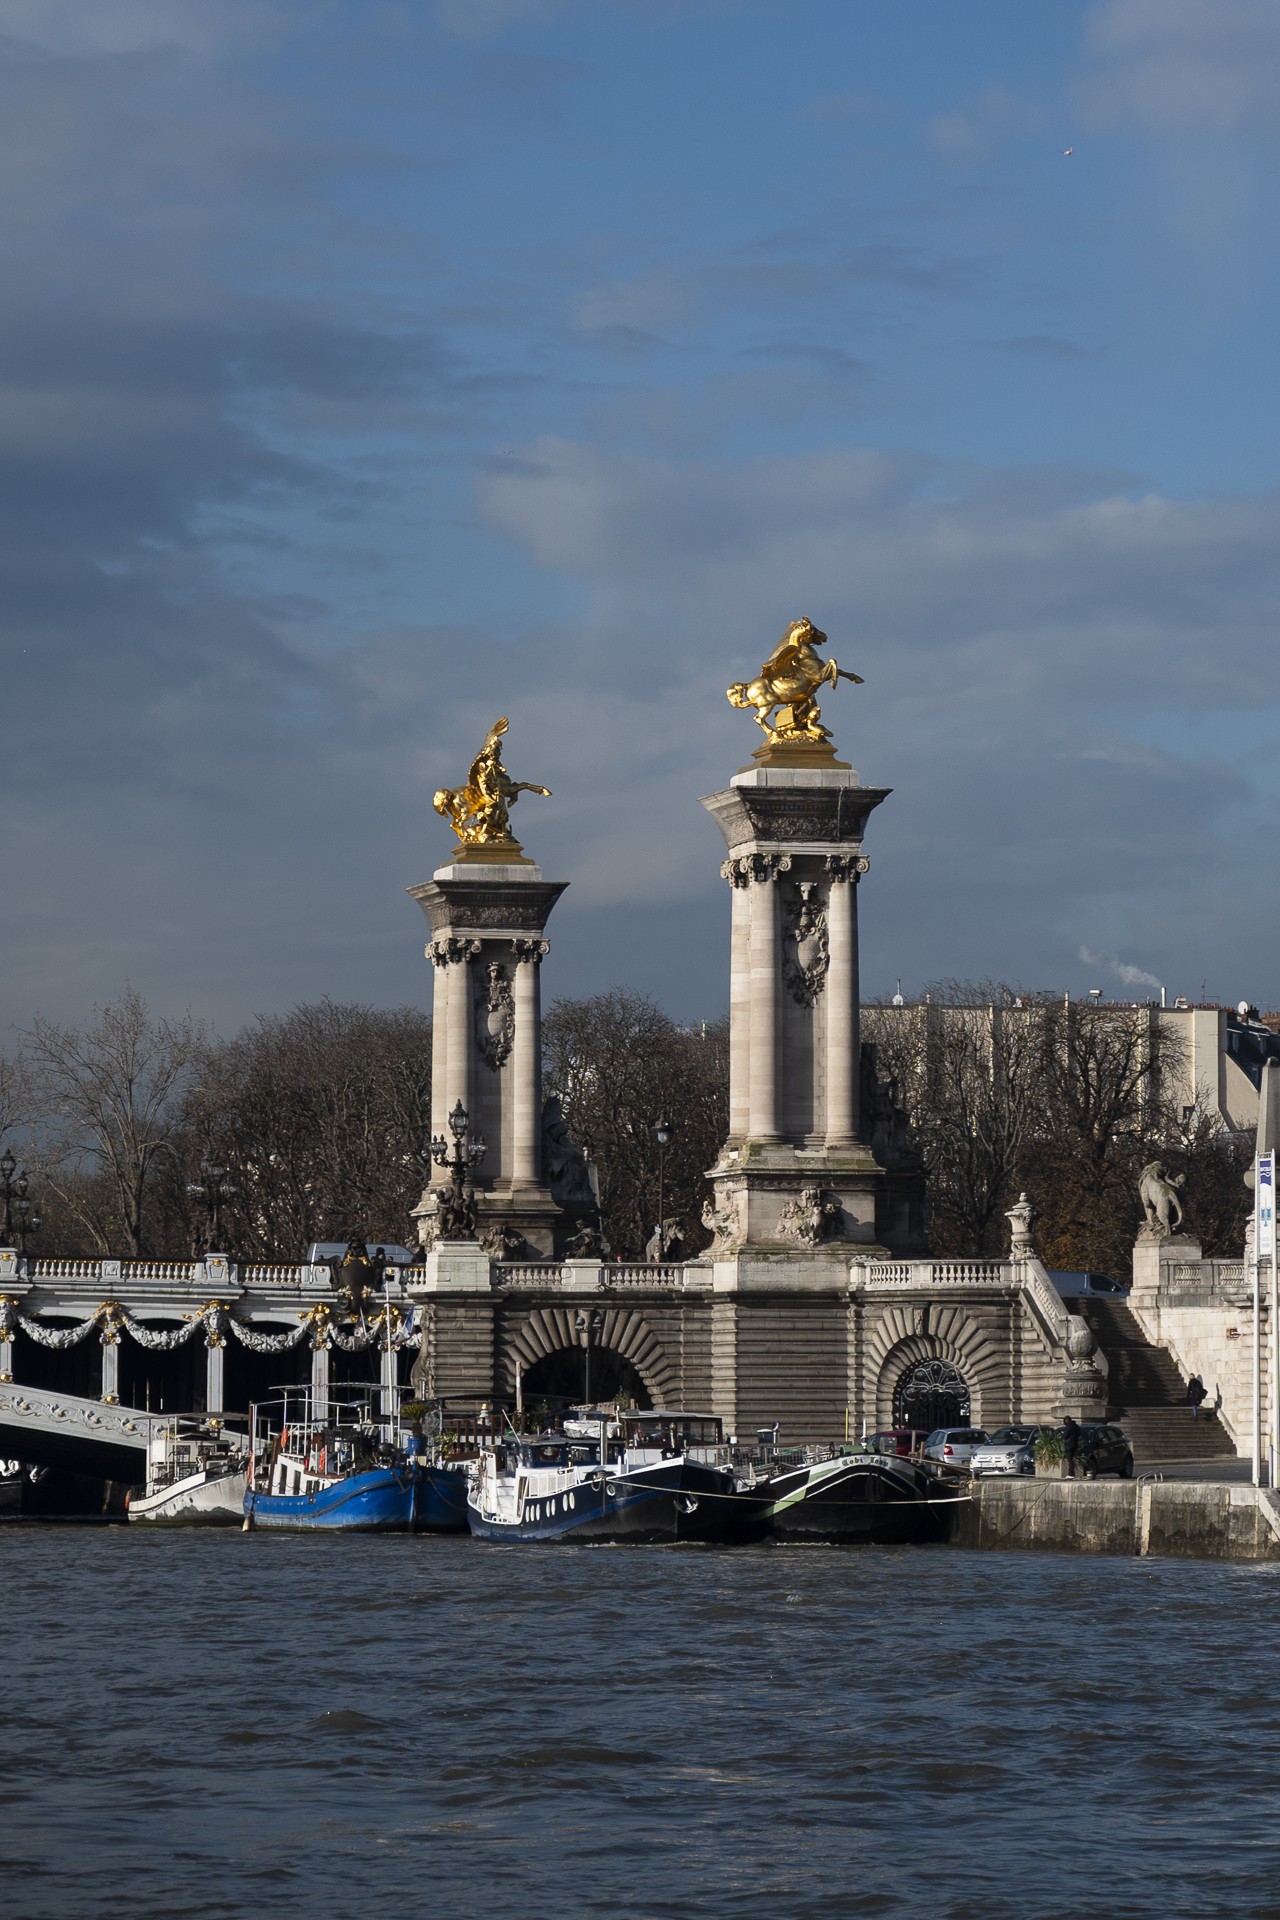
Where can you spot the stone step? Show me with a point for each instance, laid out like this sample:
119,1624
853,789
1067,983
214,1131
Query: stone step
1169,1433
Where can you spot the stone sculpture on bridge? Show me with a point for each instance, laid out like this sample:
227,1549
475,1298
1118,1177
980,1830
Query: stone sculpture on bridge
1161,1200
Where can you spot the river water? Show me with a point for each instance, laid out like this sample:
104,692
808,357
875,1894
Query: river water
227,1725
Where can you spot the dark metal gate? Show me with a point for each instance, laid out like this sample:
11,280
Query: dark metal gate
931,1394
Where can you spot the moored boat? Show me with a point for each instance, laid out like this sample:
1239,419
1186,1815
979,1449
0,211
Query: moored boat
855,1498
196,1475
635,1478
450,1437
328,1464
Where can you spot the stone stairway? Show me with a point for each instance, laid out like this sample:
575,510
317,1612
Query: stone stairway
1148,1395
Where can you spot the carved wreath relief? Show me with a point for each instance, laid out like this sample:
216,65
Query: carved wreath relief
495,1016
804,954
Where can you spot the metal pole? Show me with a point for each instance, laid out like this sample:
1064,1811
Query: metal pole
1257,1342
1273,1376
662,1155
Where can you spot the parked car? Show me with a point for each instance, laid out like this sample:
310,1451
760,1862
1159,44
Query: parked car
1087,1286
1009,1450
895,1440
1104,1450
954,1446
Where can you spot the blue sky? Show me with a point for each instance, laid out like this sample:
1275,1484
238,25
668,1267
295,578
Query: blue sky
369,370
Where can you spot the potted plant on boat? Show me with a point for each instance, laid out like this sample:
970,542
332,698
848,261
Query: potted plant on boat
1049,1455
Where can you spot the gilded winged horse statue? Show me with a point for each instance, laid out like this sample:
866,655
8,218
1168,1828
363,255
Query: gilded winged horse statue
787,684
480,812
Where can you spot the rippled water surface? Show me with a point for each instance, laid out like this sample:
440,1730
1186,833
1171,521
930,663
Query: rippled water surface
229,1725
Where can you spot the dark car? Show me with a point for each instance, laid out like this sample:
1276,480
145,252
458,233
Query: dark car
1078,1285
894,1440
1104,1450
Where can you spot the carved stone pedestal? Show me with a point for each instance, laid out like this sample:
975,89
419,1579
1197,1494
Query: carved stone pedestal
797,1171
487,946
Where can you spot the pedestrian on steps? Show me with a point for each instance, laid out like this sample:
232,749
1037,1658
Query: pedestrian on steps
1197,1394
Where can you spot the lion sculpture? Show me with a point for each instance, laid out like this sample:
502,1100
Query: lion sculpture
1159,1193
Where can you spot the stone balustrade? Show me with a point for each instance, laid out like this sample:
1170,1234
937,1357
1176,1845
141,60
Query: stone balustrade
931,1273
608,1275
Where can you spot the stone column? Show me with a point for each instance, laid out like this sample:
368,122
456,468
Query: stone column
526,1064
842,1039
765,950
389,1373
460,1045
737,873
213,1373
320,1381
111,1367
439,1036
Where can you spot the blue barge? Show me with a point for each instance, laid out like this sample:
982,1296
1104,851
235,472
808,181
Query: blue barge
328,1464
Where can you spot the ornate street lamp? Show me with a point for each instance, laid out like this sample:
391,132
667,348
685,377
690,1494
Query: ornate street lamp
21,1214
662,1134
587,1328
456,1209
213,1188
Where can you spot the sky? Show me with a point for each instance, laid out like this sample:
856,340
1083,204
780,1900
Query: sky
369,370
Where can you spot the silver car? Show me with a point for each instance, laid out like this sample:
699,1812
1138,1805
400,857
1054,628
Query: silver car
1009,1450
954,1446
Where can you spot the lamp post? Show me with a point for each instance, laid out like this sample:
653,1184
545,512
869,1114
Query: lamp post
21,1214
456,1208
662,1134
213,1188
587,1328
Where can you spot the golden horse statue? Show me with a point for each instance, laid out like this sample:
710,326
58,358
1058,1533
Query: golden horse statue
788,682
479,813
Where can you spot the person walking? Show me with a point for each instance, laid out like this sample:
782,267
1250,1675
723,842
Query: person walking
1070,1442
1197,1394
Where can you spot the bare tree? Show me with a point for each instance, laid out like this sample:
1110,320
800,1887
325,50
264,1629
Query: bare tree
106,1095
320,1120
15,1093
964,1066
619,1064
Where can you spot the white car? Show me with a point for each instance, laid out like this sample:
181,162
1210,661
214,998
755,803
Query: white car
1010,1450
954,1446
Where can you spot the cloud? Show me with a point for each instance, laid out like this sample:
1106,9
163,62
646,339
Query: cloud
1183,66
1056,672
970,132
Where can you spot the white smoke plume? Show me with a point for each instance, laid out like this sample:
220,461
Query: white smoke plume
1131,976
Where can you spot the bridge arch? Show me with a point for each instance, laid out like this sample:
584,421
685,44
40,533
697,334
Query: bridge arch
552,1330
909,1338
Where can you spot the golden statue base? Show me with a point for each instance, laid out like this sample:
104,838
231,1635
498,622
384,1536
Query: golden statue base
798,753
494,853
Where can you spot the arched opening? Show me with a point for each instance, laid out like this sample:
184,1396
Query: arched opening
573,1375
930,1394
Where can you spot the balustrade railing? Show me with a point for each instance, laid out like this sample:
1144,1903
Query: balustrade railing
933,1273
280,1275
162,1272
651,1274
608,1274
528,1273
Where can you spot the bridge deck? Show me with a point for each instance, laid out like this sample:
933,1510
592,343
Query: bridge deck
46,1429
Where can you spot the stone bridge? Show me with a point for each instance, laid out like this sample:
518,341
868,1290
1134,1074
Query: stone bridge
876,1343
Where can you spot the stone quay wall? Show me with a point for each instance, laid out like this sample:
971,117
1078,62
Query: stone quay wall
1186,1519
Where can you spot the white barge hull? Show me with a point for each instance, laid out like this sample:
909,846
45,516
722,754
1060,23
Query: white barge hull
201,1500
